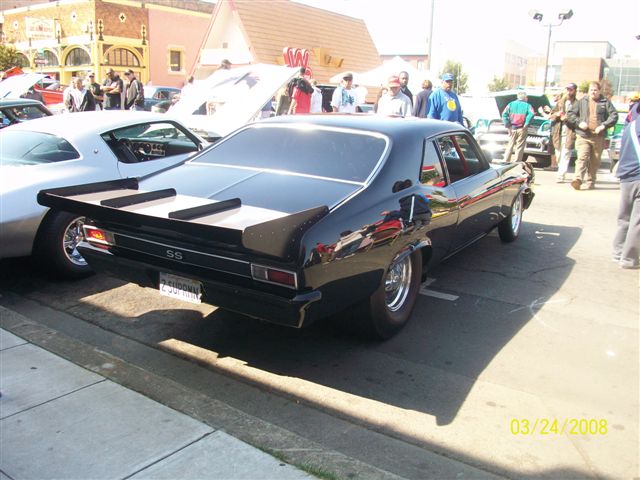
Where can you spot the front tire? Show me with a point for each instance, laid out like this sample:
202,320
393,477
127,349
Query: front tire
56,245
509,227
387,311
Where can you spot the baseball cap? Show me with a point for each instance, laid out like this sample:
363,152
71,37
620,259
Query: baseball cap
128,71
347,76
572,86
393,81
447,77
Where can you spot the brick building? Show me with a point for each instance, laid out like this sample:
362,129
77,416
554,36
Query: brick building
157,39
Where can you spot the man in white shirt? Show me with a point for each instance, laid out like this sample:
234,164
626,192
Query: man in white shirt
344,97
394,102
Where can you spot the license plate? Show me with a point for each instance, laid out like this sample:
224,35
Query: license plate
179,287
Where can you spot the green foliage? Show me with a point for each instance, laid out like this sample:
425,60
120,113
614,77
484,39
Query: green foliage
498,84
584,86
9,57
459,77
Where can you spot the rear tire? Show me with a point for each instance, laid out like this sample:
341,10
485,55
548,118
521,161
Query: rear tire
387,311
56,245
509,227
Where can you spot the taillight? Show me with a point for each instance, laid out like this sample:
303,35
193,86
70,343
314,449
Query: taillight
274,275
98,237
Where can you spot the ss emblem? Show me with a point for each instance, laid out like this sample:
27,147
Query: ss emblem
175,254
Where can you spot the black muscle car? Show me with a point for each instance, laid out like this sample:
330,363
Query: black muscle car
297,218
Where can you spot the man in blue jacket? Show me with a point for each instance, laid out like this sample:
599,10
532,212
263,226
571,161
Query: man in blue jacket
626,243
444,103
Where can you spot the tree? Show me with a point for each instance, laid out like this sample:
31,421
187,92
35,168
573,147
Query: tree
459,77
584,86
9,57
498,84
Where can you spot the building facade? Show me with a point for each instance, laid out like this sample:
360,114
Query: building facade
68,38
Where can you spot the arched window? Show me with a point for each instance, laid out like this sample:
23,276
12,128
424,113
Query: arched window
23,60
78,56
121,57
51,59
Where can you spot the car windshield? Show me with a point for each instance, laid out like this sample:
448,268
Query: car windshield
323,152
21,147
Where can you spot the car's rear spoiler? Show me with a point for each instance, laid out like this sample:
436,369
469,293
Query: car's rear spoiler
103,202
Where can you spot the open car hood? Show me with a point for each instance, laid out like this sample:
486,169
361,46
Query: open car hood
504,98
228,99
16,85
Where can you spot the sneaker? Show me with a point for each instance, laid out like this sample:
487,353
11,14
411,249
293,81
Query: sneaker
616,257
628,264
575,183
591,185
560,179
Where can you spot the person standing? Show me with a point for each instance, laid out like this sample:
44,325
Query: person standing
113,86
626,243
516,117
96,90
404,82
394,102
135,92
444,103
316,98
344,97
421,105
67,97
590,116
300,94
567,134
82,97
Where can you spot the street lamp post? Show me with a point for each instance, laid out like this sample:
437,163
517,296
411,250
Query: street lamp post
562,16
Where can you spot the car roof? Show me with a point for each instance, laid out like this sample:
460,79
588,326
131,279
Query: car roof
73,125
388,125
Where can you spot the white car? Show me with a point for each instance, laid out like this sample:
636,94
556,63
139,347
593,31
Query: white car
72,149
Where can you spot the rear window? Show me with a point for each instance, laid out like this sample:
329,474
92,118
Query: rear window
317,151
20,147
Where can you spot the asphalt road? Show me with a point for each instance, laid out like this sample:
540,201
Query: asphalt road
521,360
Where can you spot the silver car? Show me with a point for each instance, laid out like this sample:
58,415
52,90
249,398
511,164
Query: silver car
71,149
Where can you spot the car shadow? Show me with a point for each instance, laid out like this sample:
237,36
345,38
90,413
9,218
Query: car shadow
475,303
444,348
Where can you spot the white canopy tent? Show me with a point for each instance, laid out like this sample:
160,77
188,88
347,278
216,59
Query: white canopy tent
378,76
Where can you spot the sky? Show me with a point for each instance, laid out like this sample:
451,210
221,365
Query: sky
402,26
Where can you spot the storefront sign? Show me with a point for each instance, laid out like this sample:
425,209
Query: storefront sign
40,28
297,57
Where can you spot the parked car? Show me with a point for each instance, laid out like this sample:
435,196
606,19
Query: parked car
19,110
71,149
155,94
18,84
296,218
492,134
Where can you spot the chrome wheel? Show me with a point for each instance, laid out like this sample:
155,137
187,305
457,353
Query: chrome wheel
397,284
516,214
73,235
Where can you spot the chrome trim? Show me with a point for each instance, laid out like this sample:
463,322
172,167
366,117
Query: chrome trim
176,247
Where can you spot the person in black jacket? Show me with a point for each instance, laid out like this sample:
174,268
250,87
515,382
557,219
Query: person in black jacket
591,116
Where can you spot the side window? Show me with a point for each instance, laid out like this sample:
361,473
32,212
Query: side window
461,157
431,171
476,163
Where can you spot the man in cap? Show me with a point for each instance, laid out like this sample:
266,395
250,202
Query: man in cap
444,103
134,98
394,102
344,96
95,89
517,117
591,116
113,86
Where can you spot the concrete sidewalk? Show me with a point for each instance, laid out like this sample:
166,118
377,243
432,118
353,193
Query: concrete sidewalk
59,420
